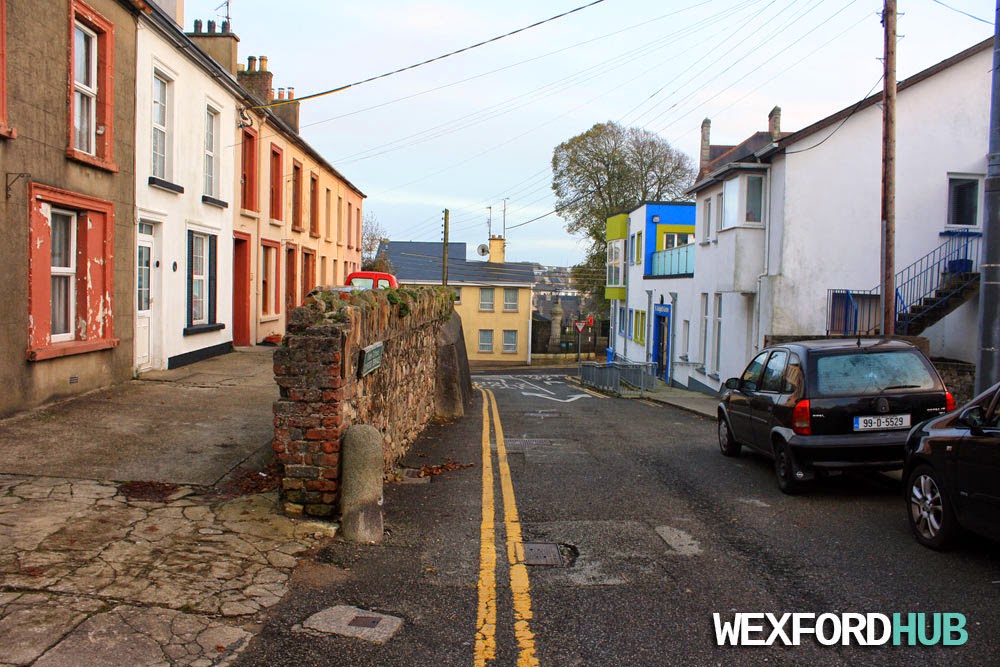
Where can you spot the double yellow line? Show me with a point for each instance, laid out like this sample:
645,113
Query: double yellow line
486,621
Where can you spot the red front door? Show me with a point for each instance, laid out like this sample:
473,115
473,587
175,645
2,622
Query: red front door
241,289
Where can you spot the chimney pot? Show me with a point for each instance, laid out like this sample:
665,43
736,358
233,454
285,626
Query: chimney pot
270,94
281,93
291,92
263,63
197,26
252,64
240,67
211,27
225,27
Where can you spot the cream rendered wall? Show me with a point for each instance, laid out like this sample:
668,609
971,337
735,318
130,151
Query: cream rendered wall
474,319
174,214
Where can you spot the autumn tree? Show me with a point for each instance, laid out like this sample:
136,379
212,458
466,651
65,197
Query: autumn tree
372,234
610,169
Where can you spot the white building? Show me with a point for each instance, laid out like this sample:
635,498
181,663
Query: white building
186,112
784,219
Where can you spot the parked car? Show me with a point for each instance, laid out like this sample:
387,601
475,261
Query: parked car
371,280
952,473
830,405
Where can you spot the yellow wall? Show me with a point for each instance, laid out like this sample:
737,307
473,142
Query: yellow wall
474,319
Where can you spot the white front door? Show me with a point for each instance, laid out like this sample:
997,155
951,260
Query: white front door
143,303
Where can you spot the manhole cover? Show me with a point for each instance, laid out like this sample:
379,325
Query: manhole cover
521,444
364,621
542,553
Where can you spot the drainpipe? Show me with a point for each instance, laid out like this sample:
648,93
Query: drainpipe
673,339
767,257
529,328
649,326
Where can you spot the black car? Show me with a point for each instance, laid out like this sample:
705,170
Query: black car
830,405
952,473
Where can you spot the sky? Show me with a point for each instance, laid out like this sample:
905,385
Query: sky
474,132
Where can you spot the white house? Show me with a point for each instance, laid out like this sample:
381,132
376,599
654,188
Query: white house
186,110
789,227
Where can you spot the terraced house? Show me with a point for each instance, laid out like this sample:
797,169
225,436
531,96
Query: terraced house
67,133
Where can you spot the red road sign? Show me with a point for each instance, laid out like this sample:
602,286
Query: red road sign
590,320
579,326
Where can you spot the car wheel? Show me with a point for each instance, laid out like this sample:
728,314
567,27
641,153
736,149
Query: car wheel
727,443
784,470
932,519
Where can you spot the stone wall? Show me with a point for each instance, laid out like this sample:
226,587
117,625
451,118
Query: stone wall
959,377
321,396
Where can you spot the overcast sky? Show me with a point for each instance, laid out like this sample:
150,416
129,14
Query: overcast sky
477,129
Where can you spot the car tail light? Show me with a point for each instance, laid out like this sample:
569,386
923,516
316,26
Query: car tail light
949,401
801,423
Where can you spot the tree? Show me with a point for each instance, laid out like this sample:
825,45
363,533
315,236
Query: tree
607,170
372,234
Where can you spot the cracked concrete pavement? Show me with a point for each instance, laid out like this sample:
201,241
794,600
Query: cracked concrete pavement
93,574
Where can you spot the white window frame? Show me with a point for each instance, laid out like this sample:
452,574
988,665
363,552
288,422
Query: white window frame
510,347
763,199
703,343
197,279
160,162
458,295
483,305
67,273
616,269
85,141
508,305
638,248
631,323
485,341
685,339
706,231
212,116
952,178
720,212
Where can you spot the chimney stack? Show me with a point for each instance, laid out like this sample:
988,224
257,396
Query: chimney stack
497,246
259,82
774,123
220,46
706,144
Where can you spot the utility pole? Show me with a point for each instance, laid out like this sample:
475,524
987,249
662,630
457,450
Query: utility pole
889,172
489,222
444,252
505,214
988,366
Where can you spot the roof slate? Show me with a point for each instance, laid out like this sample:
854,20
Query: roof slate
420,261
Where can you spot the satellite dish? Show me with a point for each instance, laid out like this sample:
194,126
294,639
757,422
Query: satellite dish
483,250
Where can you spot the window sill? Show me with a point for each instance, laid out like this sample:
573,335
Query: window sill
249,213
203,328
166,185
7,132
298,229
270,318
313,235
212,201
704,243
700,369
973,232
91,160
485,351
510,310
485,310
276,222
72,347
714,375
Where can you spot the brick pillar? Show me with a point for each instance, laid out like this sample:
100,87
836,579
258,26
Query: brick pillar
309,417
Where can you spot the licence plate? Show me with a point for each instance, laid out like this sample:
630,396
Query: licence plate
881,422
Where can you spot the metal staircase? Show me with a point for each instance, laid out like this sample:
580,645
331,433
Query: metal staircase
926,292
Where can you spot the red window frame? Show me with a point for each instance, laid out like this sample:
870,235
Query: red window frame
94,281
277,182
248,180
314,205
275,289
308,272
103,140
297,196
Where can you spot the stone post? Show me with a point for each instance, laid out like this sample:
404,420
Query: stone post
361,485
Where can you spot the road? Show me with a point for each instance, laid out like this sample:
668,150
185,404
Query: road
656,531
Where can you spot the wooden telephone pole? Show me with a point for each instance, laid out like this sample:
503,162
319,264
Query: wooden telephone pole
444,252
889,173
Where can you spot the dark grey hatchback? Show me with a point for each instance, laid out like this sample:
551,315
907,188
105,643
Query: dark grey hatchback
830,405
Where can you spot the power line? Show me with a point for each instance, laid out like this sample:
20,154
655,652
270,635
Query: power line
963,13
431,60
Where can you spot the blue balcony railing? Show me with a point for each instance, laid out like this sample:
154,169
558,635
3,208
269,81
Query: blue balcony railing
673,262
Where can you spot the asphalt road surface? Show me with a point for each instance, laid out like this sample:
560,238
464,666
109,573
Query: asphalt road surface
653,532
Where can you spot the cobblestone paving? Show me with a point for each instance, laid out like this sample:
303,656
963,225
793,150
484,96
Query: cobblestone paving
89,577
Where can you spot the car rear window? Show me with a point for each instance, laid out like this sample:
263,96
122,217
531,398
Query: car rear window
861,373
362,283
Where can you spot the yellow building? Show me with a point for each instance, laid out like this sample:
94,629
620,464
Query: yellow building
493,298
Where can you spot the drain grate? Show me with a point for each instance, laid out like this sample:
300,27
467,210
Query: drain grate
542,553
521,444
365,621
